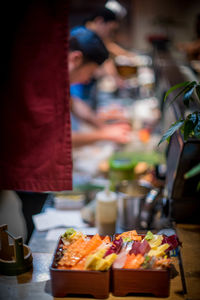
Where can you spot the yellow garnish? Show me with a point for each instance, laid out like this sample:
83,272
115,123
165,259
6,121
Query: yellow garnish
155,241
160,251
93,259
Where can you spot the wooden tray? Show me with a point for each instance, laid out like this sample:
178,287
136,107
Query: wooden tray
75,282
140,281
120,282
127,281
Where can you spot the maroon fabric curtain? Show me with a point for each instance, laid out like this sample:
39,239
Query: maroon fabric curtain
35,150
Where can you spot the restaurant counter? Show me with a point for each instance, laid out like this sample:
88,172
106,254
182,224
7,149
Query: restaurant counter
36,284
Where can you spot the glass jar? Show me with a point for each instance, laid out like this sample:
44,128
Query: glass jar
120,169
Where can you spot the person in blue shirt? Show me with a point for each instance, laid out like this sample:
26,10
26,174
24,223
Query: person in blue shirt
103,22
86,53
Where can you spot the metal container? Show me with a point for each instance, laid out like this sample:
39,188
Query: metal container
131,195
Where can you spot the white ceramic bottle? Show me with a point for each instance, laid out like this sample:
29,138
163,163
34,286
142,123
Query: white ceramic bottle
106,212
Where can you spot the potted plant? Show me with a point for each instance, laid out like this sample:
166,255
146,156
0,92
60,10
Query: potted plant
190,124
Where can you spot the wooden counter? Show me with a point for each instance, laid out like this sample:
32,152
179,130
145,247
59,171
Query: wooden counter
35,284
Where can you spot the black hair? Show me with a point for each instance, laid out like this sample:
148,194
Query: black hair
89,43
106,14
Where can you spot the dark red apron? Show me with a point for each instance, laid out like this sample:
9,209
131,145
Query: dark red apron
35,150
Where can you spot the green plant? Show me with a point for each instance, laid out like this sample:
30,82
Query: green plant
190,125
193,172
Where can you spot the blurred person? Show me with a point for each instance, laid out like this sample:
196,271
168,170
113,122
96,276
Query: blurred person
35,131
104,22
118,133
86,53
82,63
35,124
35,106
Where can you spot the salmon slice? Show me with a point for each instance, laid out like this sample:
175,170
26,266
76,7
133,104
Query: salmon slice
132,234
128,261
80,265
74,253
134,261
79,249
93,244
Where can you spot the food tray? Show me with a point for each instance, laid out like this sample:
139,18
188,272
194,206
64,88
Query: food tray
127,281
140,281
75,282
121,282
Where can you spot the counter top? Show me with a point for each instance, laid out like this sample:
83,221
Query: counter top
36,284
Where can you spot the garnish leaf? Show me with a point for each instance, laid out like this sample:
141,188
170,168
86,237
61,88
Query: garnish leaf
149,236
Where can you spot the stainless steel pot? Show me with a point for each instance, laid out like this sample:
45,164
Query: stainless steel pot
131,195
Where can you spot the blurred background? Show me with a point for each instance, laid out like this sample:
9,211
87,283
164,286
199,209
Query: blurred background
155,36
171,19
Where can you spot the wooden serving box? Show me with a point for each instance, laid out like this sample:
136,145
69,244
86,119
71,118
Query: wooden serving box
75,282
128,281
140,281
120,282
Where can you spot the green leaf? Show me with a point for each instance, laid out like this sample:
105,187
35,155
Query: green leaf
173,88
187,95
198,186
174,127
193,118
193,172
186,89
181,92
188,129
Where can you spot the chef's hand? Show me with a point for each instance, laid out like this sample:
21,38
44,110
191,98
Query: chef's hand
119,133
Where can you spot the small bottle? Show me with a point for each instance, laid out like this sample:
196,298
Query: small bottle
106,212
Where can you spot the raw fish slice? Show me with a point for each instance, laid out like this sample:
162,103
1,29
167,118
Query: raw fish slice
93,244
130,235
144,247
135,248
172,240
134,261
129,259
80,265
120,260
115,247
79,249
74,253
